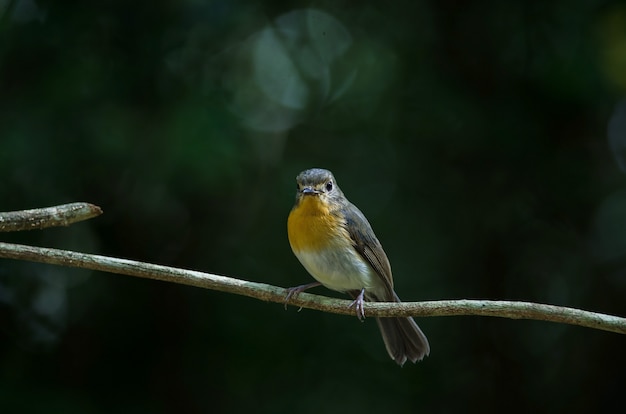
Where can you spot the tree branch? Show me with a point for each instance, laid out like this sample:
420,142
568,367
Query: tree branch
503,309
41,218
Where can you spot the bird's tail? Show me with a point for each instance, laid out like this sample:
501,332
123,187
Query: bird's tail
404,340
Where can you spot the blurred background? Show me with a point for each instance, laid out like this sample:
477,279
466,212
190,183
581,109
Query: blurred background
484,140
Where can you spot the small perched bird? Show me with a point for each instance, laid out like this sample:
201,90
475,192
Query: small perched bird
336,244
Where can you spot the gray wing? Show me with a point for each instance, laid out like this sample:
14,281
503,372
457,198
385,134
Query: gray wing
368,246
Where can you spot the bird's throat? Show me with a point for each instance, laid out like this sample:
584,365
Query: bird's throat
311,225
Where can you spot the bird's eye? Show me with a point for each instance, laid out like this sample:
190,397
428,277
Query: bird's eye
329,186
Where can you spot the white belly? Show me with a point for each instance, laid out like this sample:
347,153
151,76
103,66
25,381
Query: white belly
341,271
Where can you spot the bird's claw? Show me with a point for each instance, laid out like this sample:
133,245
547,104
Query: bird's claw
295,291
357,304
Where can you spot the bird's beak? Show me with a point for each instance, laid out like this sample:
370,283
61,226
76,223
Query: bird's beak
309,191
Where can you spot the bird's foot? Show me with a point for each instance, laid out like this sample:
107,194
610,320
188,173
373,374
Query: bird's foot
295,291
357,304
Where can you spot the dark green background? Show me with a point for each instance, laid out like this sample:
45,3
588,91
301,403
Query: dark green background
473,134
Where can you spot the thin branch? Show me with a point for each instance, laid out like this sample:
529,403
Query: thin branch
41,218
504,309
71,213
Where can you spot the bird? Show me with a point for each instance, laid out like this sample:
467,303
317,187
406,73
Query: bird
335,243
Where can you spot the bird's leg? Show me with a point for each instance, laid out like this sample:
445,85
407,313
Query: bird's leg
358,305
295,291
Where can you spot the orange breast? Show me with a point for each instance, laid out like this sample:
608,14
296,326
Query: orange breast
311,226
